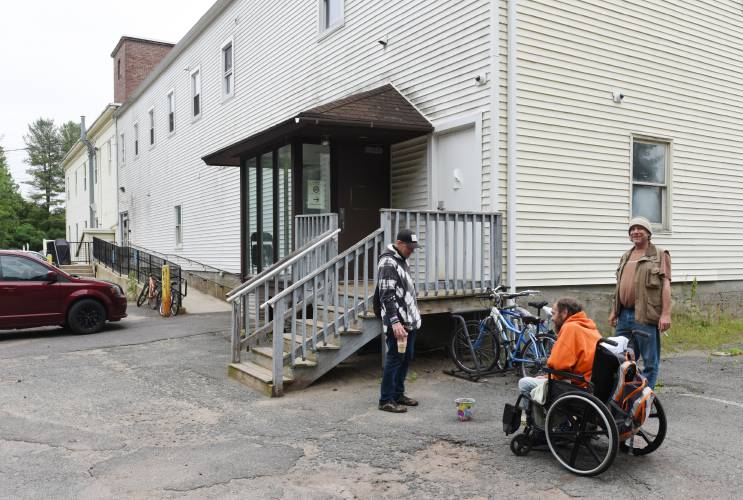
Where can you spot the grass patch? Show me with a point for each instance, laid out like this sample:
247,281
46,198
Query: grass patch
702,331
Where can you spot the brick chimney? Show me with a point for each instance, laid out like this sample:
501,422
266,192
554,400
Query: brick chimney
133,59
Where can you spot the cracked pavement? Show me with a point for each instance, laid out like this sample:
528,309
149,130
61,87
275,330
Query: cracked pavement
145,410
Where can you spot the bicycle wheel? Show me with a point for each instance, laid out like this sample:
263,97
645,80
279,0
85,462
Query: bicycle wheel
154,299
142,296
535,355
472,351
175,303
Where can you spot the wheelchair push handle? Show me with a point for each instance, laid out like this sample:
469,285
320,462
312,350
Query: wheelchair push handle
607,341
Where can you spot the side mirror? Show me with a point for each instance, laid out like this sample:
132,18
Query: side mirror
52,277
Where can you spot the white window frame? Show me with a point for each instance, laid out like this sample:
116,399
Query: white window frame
68,187
326,29
170,106
178,213
151,128
666,197
122,138
77,175
85,176
108,152
196,91
227,73
136,140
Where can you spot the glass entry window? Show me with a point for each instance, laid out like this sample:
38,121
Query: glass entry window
268,208
315,179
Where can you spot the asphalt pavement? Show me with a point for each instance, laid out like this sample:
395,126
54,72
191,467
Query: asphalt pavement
145,410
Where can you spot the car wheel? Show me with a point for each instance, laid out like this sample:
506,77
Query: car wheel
86,316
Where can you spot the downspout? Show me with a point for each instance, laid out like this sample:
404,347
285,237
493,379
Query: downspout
494,105
91,172
512,126
118,201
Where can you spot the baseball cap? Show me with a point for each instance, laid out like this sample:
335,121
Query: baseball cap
642,222
409,237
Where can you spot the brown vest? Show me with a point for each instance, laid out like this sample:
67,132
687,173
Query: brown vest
648,285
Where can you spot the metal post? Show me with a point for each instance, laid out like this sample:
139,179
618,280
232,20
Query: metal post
235,329
278,348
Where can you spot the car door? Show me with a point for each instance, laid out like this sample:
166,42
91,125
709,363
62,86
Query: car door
27,298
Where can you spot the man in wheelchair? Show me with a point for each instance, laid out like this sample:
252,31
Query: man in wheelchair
592,401
574,349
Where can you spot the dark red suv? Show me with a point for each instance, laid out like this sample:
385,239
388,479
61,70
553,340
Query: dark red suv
34,293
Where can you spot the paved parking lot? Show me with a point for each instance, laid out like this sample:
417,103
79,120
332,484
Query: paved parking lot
144,410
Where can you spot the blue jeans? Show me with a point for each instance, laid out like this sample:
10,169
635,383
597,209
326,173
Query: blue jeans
647,348
395,368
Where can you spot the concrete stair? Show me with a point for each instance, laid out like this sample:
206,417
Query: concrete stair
255,369
81,270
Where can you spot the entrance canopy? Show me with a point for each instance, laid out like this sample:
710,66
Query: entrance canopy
379,116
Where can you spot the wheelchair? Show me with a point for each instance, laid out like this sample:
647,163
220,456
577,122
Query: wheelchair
585,427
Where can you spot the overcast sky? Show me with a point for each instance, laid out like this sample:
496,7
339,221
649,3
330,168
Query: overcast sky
55,58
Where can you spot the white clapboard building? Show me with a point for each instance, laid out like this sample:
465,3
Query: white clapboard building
566,117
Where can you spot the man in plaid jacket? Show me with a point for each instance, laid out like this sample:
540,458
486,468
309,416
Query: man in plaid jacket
400,319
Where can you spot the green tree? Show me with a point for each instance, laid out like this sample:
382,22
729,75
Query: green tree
69,133
10,202
45,154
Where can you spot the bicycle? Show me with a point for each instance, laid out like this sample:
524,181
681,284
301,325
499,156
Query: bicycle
150,293
176,297
477,347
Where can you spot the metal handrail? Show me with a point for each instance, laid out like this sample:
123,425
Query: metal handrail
322,269
280,266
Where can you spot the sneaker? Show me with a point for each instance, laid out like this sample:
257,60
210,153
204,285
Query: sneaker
392,407
404,400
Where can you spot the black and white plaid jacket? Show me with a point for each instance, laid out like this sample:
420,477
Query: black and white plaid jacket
397,291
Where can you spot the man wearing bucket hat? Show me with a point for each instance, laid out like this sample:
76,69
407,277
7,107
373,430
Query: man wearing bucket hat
642,297
396,304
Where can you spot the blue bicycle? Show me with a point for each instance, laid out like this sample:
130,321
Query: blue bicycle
509,337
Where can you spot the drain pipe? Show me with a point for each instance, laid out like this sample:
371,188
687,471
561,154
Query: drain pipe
512,126
91,172
494,105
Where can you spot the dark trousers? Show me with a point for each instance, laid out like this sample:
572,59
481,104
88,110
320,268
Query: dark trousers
395,367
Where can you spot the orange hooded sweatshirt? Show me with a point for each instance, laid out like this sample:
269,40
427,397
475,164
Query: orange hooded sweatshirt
575,347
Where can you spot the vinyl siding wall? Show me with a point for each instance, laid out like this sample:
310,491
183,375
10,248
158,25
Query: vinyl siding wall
680,66
282,66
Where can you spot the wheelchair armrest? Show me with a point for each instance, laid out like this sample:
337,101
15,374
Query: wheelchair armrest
568,375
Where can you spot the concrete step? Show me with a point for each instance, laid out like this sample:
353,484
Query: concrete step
255,376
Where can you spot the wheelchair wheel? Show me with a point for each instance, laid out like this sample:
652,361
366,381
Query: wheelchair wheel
651,434
521,445
464,345
581,434
536,355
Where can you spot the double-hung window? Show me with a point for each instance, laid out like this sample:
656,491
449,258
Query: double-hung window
228,79
331,14
151,115
196,93
171,111
136,140
650,180
178,225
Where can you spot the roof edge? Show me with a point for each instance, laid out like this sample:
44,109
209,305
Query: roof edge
204,22
125,38
106,114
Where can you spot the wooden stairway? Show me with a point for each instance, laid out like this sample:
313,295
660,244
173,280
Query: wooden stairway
255,369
